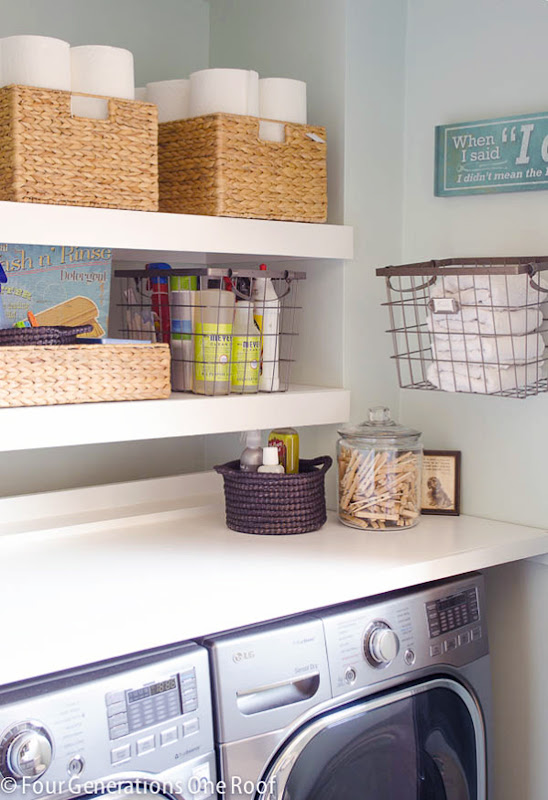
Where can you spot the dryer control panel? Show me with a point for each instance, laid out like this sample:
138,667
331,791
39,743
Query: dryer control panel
375,640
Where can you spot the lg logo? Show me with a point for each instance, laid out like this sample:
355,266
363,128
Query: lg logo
243,655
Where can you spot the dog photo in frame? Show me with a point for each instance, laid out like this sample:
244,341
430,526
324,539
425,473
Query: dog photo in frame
441,482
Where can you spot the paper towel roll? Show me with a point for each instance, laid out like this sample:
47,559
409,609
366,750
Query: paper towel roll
99,69
141,93
253,93
229,91
171,97
283,99
35,61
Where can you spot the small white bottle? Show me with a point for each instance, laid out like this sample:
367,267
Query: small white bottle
252,457
267,310
270,461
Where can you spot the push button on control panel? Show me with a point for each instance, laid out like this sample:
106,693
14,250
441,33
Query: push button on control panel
464,638
75,765
115,708
451,644
120,754
350,675
190,727
409,657
117,714
145,745
168,736
189,691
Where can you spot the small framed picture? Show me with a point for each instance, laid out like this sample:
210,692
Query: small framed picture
441,482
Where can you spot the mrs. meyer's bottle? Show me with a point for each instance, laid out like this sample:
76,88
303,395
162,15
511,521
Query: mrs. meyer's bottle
246,350
213,320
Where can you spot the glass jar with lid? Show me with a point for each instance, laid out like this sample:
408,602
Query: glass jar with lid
380,466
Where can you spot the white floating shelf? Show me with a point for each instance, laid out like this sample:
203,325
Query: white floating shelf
141,236
181,415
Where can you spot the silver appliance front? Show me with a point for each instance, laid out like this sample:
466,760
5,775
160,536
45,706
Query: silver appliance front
138,727
388,697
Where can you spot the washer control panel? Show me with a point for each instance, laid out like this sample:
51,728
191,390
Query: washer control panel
374,640
147,714
134,709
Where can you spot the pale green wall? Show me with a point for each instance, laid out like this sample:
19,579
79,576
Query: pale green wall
375,50
469,60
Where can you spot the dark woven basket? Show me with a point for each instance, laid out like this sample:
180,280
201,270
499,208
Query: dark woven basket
43,334
268,503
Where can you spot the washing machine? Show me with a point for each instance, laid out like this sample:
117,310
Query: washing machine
384,699
126,728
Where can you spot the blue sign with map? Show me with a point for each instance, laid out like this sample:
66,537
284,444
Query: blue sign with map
509,154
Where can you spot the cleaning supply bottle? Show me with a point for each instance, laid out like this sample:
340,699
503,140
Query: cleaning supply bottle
252,457
287,442
160,302
266,308
246,350
3,320
213,321
270,461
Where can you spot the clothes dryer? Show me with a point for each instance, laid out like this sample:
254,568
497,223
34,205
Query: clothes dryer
382,698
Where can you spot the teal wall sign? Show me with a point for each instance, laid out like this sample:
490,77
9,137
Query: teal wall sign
509,154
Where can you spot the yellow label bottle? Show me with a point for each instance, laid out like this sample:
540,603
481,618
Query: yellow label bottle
246,350
213,326
287,442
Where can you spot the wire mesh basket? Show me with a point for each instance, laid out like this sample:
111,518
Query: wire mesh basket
230,330
474,325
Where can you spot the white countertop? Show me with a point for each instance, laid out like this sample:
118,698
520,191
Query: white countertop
98,573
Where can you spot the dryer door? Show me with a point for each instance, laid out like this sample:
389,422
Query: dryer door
424,742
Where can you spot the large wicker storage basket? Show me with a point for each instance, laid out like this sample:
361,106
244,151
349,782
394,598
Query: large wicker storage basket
83,373
217,165
268,503
49,156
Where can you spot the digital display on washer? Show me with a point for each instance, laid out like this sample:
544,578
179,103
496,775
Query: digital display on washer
153,704
150,691
452,612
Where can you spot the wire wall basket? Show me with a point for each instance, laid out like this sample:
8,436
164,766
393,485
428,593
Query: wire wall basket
474,325
229,330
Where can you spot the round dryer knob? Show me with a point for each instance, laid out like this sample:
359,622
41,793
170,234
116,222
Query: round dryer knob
382,645
28,754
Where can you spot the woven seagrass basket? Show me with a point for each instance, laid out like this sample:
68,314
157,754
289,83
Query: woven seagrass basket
268,503
49,156
217,165
83,373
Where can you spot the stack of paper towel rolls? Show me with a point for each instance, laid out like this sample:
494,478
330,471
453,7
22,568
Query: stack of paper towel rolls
231,91
50,63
